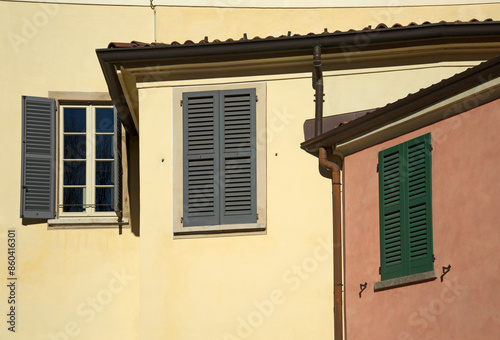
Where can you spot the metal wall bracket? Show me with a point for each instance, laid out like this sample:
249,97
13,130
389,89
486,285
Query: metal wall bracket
445,271
362,287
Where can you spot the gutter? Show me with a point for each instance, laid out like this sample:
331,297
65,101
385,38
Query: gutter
341,43
336,204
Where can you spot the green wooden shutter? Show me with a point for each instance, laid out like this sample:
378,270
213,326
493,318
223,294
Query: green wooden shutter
405,208
200,153
38,158
391,212
118,172
238,157
418,188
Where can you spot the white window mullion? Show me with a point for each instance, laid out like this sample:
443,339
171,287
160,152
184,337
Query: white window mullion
91,161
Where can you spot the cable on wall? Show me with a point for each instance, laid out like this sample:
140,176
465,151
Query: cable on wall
153,7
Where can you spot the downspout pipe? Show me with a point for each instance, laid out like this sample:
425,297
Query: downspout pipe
337,243
318,86
336,204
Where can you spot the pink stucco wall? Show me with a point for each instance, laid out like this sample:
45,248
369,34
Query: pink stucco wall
466,232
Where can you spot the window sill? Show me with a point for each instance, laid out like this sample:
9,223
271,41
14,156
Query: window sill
88,223
220,230
405,280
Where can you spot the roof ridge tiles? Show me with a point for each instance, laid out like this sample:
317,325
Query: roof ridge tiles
325,32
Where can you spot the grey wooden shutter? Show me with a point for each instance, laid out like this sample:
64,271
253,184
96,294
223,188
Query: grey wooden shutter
38,158
200,153
238,157
391,211
419,194
118,172
405,208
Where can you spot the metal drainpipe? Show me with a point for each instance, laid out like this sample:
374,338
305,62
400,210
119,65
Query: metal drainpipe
336,204
337,242
318,86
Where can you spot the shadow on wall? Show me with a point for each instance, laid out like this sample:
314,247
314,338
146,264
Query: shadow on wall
134,184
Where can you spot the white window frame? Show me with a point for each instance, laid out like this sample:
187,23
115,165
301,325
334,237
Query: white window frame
90,160
82,220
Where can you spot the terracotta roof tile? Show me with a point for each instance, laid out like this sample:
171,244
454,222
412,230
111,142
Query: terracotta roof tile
380,26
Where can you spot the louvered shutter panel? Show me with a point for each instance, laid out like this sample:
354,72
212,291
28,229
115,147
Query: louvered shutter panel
419,211
405,208
38,158
238,157
118,171
391,212
201,152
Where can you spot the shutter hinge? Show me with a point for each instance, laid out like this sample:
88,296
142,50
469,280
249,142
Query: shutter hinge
256,98
257,217
430,147
379,270
433,258
182,219
377,167
181,102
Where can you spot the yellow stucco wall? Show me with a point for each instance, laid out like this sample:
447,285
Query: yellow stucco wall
212,287
152,286
222,23
81,283
203,286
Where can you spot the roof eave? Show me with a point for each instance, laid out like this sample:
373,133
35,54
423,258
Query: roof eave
407,106
112,59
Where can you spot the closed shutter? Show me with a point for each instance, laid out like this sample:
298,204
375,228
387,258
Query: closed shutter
238,155
419,195
201,154
38,158
219,157
405,208
118,182
391,212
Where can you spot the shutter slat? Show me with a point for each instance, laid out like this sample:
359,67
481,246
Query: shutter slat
38,158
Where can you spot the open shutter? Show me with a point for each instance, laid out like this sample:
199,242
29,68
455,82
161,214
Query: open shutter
200,151
391,212
238,157
118,177
418,188
38,158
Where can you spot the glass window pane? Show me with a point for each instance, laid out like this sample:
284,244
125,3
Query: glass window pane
103,199
104,120
75,119
104,173
74,173
73,199
75,146
104,147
